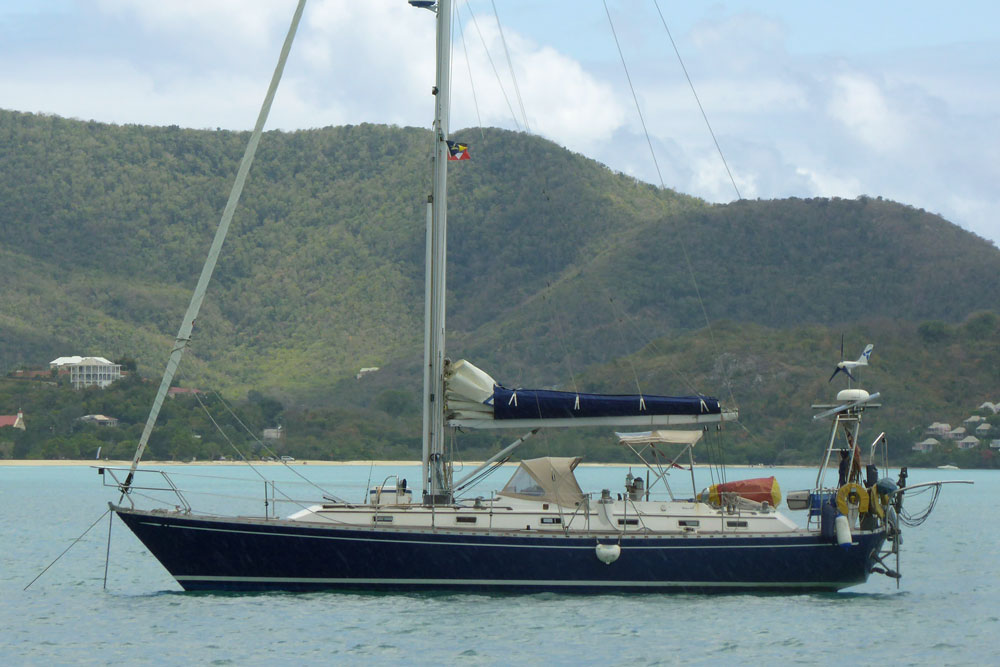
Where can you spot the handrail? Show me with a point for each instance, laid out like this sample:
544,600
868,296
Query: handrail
881,439
184,505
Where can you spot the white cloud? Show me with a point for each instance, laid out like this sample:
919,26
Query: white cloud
371,61
981,211
234,23
740,41
861,106
562,100
830,184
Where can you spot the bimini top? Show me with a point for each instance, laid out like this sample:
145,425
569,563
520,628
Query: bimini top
548,479
659,438
473,399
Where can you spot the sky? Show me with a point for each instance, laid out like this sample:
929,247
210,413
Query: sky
806,99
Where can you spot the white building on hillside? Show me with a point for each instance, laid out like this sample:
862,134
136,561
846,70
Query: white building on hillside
100,420
939,428
87,371
926,445
273,433
968,442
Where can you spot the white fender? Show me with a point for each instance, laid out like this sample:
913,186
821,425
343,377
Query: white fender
843,527
608,553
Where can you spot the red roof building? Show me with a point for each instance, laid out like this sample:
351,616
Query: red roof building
14,421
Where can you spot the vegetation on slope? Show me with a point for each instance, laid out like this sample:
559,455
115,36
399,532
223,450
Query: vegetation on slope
559,269
925,373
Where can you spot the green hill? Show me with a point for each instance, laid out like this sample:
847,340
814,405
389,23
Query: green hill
558,267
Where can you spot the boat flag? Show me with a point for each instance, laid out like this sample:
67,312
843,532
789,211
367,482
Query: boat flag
457,151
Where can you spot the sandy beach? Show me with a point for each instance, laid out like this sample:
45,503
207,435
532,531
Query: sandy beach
115,464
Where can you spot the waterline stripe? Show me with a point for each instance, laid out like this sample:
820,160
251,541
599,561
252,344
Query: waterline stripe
517,582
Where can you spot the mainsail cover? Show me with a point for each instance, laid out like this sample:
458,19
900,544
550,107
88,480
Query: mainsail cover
475,400
547,404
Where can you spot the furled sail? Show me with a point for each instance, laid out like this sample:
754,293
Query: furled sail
473,399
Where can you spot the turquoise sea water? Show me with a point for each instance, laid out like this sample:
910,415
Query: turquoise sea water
946,611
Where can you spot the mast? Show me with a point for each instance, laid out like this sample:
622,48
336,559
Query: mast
435,480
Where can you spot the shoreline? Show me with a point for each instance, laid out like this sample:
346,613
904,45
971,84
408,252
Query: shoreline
126,463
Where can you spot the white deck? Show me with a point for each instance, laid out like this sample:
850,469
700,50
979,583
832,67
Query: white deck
507,515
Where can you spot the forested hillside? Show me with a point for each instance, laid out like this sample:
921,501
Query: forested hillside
558,266
926,373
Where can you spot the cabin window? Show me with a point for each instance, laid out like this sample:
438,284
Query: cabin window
736,524
465,519
689,523
551,519
382,519
628,522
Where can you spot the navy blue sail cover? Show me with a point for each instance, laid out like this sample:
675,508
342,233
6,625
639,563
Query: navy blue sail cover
544,404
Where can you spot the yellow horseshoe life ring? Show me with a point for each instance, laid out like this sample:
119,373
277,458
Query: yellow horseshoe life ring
876,503
853,494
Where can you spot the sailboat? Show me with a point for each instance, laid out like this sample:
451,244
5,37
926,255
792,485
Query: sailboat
541,532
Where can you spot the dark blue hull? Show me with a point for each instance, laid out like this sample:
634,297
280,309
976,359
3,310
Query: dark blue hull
254,555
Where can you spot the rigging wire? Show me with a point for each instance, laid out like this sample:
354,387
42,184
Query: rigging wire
621,334
680,237
244,458
496,465
653,343
107,553
270,451
510,66
635,99
73,544
657,346
496,73
538,176
229,440
545,298
468,65
722,156
558,316
720,452
198,296
698,100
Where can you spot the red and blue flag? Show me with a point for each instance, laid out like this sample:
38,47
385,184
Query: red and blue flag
457,151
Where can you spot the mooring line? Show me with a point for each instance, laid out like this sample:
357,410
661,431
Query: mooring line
107,554
107,511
